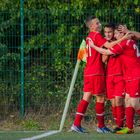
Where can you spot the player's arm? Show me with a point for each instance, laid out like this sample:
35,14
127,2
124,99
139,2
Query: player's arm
105,58
136,34
124,29
101,50
100,41
111,44
99,47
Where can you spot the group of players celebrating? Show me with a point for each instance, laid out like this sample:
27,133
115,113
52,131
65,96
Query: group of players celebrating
119,81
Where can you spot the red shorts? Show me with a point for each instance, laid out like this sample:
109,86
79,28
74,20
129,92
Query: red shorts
94,84
133,88
115,86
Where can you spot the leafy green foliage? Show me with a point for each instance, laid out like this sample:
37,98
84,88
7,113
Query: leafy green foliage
31,125
53,31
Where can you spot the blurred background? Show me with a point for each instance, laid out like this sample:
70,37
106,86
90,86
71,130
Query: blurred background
39,41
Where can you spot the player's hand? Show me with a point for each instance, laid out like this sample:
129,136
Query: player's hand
91,42
123,29
129,35
105,58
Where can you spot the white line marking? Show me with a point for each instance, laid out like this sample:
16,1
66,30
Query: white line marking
42,135
20,131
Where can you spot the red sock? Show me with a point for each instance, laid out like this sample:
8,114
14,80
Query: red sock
100,114
138,112
129,117
120,115
114,113
81,109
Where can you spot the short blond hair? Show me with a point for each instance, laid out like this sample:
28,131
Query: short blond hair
88,20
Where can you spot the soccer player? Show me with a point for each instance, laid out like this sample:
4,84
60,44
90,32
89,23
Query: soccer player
124,29
114,82
128,53
94,80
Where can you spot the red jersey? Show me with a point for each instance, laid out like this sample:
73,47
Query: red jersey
129,57
94,65
114,66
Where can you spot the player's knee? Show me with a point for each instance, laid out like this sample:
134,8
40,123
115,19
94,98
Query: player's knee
127,102
119,101
135,103
87,96
113,103
100,99
135,106
127,99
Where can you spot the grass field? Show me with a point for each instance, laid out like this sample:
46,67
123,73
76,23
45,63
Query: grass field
93,135
17,135
70,136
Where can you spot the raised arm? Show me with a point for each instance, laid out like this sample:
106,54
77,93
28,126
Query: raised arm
123,28
111,44
136,34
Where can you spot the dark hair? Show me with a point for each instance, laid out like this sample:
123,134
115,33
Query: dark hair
117,26
88,19
110,25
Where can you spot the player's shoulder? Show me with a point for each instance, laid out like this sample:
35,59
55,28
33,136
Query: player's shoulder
94,34
127,43
124,42
130,42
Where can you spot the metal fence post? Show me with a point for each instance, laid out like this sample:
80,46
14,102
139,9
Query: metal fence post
22,57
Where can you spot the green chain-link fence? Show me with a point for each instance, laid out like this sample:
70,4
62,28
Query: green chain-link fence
38,47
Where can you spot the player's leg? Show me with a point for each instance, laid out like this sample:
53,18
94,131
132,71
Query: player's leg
99,108
81,109
119,87
136,104
132,104
129,112
114,112
110,95
138,107
83,104
135,96
119,113
99,92
131,88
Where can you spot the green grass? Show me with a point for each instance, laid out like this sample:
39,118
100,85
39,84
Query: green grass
92,136
16,135
69,136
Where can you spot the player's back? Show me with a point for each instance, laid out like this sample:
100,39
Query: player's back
94,64
130,59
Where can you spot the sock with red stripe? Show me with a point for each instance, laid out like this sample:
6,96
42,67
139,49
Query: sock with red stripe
120,115
129,112
114,113
99,108
81,109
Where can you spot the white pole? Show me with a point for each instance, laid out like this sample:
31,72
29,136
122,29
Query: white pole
69,95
